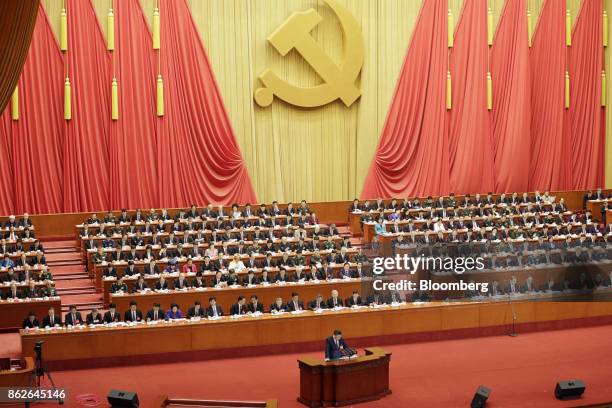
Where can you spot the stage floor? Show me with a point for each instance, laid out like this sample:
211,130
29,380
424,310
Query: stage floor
521,371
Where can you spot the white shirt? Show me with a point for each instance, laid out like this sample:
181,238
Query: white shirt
236,265
439,226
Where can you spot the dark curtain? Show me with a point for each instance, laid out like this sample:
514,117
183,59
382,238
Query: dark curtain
17,19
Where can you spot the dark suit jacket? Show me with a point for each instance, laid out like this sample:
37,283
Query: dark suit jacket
115,318
313,305
376,299
79,319
209,311
29,324
155,271
160,315
291,306
251,308
280,308
330,302
177,284
350,301
191,312
254,281
137,286
234,309
159,285
332,351
127,316
9,294
89,319
47,321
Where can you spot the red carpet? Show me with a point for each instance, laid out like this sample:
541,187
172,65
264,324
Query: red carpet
521,371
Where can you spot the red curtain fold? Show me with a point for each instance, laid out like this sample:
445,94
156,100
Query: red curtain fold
198,155
412,154
191,154
511,113
17,19
133,145
37,135
86,147
469,133
549,150
7,191
586,123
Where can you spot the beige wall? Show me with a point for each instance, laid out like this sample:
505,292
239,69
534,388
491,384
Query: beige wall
317,154
291,153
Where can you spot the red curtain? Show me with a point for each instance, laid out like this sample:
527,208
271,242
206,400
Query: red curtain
17,19
548,167
133,144
7,191
511,115
86,149
412,154
469,135
37,135
529,140
198,155
586,118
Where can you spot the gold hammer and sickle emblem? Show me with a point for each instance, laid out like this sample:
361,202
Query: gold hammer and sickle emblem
338,80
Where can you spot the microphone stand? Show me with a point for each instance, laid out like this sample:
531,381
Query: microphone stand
513,327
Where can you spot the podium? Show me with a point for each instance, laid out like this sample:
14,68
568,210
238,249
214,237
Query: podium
23,377
344,382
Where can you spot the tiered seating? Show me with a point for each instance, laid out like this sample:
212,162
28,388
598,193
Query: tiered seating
507,233
26,282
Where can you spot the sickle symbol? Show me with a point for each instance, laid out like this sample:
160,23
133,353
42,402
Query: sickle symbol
339,80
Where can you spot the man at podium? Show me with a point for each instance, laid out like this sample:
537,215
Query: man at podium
336,347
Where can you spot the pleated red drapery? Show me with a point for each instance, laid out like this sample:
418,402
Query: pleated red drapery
469,133
133,142
198,155
37,136
412,154
86,146
529,139
7,191
548,167
92,163
586,118
511,115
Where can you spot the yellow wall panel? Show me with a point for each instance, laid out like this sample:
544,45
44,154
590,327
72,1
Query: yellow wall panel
293,153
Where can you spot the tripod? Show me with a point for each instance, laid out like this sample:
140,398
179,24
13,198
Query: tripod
40,370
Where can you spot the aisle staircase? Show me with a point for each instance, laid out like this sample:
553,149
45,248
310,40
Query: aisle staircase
71,279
